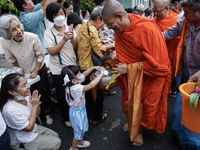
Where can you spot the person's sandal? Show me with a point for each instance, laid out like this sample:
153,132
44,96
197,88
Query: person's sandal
103,118
84,145
49,120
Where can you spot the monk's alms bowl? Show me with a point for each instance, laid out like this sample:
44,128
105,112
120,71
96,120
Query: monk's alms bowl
104,80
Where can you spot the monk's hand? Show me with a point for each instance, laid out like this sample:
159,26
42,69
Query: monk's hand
120,69
195,78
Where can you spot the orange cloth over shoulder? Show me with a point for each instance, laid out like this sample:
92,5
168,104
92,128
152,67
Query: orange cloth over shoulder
164,24
142,41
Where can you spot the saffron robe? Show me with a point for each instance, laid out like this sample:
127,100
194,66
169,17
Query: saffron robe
142,41
164,24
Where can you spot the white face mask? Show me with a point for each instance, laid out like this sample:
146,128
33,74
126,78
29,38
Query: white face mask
19,97
81,78
59,21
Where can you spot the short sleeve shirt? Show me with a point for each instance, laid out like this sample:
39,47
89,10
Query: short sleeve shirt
78,95
2,125
17,117
67,53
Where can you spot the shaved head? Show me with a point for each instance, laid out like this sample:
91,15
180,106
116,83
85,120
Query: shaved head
111,8
162,2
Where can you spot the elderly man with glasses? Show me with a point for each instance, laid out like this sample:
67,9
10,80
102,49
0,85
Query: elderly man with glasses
165,19
143,72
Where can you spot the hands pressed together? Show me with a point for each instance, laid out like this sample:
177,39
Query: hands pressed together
34,99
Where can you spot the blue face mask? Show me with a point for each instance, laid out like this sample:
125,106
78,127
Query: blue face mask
19,97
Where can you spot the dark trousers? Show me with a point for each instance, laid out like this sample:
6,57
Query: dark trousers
44,89
94,108
60,94
5,141
176,82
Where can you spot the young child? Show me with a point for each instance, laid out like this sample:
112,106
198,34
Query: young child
75,96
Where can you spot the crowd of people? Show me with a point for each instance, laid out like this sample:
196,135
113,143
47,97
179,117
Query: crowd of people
157,49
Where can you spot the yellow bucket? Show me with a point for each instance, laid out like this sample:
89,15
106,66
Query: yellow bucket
190,121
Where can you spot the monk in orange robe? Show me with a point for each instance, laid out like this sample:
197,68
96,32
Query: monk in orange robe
144,70
165,19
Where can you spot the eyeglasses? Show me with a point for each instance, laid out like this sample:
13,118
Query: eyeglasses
157,12
110,24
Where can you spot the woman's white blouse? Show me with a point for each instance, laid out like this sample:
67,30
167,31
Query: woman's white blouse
17,117
2,125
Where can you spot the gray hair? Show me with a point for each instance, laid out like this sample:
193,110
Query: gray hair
5,21
96,13
140,7
193,4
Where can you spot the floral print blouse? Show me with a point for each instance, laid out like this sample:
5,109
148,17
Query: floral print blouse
87,44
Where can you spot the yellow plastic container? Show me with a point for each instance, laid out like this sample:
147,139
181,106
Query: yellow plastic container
190,121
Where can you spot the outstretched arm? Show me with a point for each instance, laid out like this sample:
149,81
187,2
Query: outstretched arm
93,83
88,71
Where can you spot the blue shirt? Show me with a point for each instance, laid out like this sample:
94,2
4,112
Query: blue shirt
191,55
134,13
33,22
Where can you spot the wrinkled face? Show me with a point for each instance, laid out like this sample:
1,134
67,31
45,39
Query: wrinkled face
69,10
100,24
114,23
190,15
16,31
23,88
160,11
29,5
60,13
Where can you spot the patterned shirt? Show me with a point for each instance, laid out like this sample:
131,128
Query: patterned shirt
88,43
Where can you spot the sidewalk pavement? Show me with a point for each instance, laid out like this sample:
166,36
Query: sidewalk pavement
109,134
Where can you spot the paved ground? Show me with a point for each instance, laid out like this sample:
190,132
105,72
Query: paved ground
109,135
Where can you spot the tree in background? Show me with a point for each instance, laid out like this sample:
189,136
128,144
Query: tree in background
87,4
7,6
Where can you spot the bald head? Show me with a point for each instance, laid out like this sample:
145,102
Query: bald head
162,2
115,17
111,8
161,9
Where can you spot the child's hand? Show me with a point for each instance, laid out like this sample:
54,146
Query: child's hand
97,68
102,72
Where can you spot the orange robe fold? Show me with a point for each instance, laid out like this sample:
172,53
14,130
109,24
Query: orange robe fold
180,48
164,24
142,41
133,106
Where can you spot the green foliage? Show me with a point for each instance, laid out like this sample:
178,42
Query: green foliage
7,6
87,4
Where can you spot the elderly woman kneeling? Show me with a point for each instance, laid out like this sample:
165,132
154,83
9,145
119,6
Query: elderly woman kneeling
24,50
